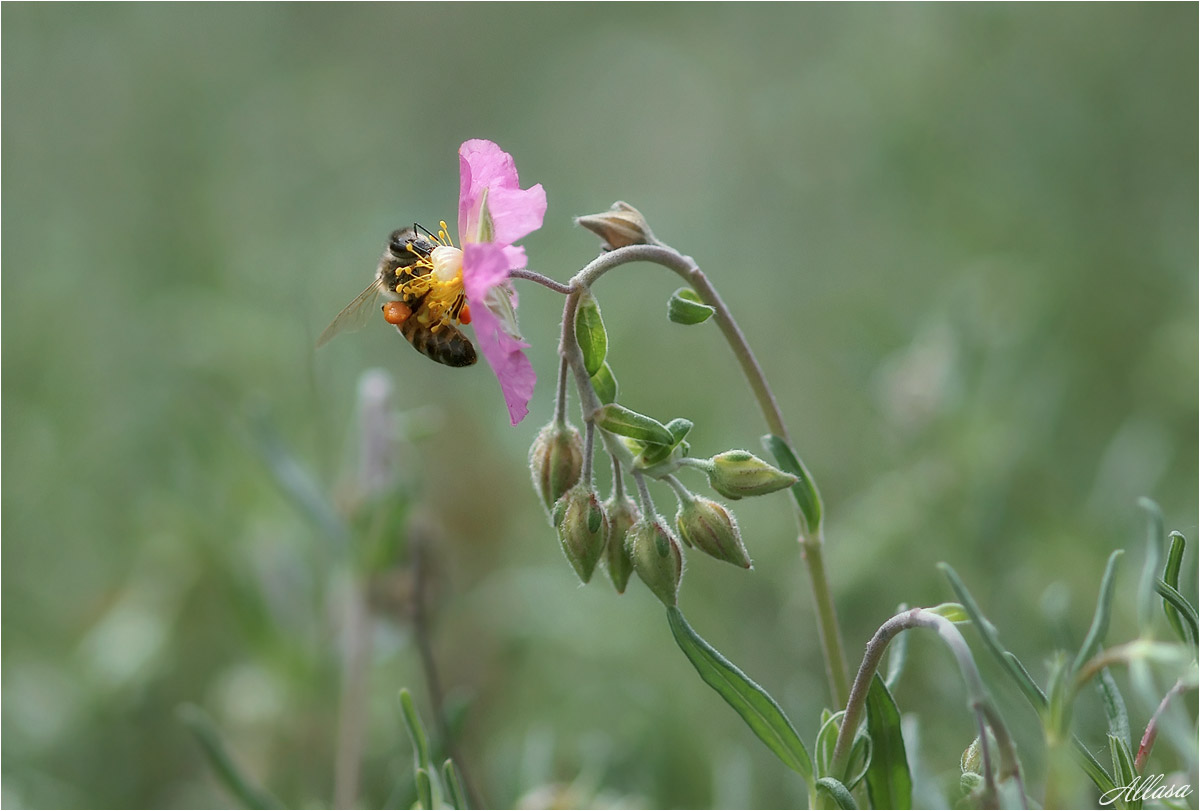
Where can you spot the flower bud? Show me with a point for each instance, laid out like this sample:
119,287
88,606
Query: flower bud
582,529
657,558
622,515
555,461
711,528
621,225
735,474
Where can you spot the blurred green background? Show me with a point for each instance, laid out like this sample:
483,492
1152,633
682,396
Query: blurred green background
962,241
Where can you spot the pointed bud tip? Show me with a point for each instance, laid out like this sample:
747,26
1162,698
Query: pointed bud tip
621,225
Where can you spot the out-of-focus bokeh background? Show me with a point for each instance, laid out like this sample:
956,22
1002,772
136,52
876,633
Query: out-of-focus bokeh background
961,239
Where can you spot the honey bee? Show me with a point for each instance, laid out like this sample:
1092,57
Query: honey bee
402,279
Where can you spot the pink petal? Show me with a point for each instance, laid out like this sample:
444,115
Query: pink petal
515,212
484,267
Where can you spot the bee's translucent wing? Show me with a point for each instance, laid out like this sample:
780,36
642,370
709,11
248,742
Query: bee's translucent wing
354,315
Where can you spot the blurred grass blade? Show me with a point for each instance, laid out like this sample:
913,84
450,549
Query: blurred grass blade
296,481
1034,694
835,791
1095,635
424,789
686,307
805,490
618,419
1114,706
889,783
454,786
1171,577
1183,608
222,762
590,334
751,702
416,731
1154,538
951,611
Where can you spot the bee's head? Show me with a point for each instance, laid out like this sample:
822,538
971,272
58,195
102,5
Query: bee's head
405,242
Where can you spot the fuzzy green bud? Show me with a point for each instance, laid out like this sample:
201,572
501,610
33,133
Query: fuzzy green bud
555,461
582,529
711,528
622,515
736,474
657,558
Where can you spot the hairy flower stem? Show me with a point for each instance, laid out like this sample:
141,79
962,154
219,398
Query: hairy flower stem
560,397
811,543
589,452
544,281
977,698
644,494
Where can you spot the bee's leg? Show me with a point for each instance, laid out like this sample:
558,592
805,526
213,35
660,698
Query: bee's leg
396,312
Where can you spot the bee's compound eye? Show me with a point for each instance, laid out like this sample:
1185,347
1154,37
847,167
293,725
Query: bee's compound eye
398,241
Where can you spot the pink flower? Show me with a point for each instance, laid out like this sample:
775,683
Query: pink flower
493,213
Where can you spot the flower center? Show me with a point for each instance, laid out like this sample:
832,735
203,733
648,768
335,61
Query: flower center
433,286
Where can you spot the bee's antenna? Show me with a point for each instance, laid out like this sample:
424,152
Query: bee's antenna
420,228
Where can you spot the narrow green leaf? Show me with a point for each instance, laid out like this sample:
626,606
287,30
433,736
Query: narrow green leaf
416,731
1114,705
1171,577
605,384
424,789
686,307
618,419
805,490
1150,569
1095,635
889,783
760,712
454,786
859,761
221,761
590,334
1123,768
835,791
1033,694
826,740
897,657
1185,609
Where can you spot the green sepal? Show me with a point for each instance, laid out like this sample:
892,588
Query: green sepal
590,334
951,611
605,384
686,307
889,783
805,490
655,454
617,419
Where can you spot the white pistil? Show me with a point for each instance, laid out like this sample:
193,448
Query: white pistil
447,263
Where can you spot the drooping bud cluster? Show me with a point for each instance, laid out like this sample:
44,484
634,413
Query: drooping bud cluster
583,529
657,558
737,474
622,515
711,528
555,461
